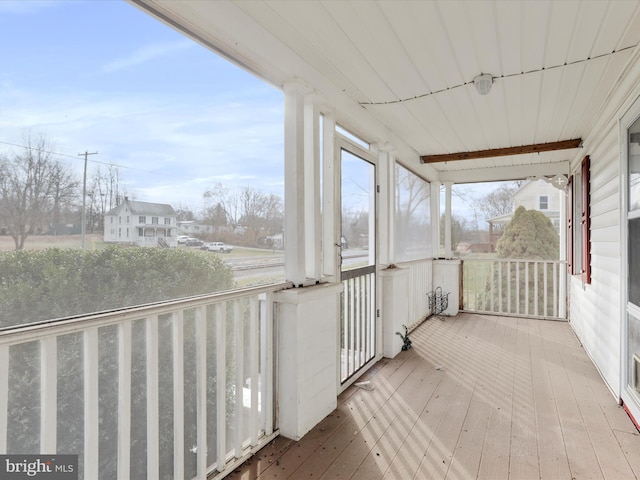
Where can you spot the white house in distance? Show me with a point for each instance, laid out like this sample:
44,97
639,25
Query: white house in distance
141,223
541,194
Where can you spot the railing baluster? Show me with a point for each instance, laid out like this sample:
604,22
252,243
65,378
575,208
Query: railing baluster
544,293
492,287
177,328
124,399
500,302
91,412
4,397
48,394
201,392
509,287
517,286
268,364
221,385
254,361
535,288
239,382
526,288
153,411
556,313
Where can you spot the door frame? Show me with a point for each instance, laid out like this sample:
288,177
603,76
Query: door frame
369,156
630,399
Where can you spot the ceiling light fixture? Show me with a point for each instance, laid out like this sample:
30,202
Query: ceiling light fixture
483,83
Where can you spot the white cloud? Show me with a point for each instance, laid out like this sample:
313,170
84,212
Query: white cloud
146,54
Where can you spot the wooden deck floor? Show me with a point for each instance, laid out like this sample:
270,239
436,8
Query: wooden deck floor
476,397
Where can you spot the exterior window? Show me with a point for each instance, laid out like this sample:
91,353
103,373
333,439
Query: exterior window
119,219
127,232
142,219
544,202
154,220
119,232
167,221
127,218
140,232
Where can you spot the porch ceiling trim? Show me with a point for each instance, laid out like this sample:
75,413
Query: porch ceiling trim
495,174
502,152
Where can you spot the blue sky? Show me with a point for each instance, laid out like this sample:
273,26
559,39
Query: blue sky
103,76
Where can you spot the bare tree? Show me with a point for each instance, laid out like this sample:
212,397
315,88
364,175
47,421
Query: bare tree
499,201
104,194
33,189
229,201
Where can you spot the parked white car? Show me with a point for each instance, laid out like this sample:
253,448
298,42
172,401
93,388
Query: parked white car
219,247
182,239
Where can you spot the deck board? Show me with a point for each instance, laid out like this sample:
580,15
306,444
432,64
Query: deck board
478,397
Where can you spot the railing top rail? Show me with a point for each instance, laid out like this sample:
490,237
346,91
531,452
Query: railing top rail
63,326
512,260
408,263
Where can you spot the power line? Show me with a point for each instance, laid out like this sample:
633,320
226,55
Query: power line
75,157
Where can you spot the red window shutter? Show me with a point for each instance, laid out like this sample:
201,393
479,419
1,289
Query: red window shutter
586,222
570,225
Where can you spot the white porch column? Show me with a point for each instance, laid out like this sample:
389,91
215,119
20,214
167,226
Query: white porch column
386,204
447,220
435,218
295,201
330,201
312,161
562,274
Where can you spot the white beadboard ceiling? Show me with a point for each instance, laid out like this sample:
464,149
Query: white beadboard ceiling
410,65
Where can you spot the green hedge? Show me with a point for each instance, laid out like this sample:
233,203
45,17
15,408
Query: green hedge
54,283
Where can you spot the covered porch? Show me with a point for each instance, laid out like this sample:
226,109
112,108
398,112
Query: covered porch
477,396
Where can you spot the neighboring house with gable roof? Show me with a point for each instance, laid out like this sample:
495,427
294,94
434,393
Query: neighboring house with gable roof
141,223
536,194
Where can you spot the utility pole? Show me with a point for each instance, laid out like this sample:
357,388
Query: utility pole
84,194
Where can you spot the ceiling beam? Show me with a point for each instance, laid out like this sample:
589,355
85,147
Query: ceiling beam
498,174
502,152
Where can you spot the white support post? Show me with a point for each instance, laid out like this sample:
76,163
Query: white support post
48,394
562,286
313,225
447,221
294,178
330,202
386,204
435,218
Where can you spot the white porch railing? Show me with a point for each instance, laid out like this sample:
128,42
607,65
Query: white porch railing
181,389
531,288
357,320
420,283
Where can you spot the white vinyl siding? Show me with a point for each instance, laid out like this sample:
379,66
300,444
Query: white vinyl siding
595,308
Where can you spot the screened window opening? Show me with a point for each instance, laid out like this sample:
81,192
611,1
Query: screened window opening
412,216
180,144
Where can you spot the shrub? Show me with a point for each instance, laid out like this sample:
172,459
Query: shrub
54,283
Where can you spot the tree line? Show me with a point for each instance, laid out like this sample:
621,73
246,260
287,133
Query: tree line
39,194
